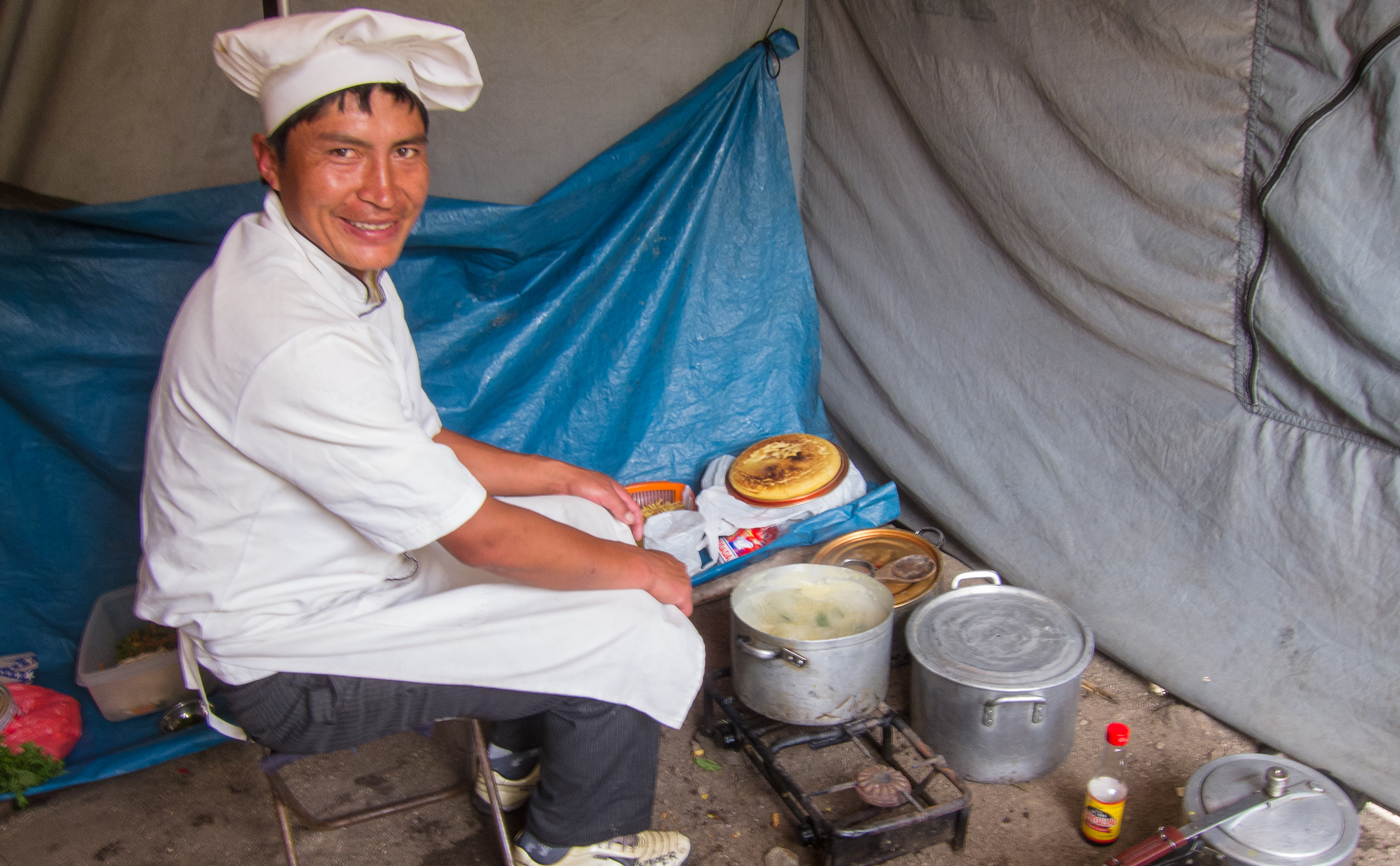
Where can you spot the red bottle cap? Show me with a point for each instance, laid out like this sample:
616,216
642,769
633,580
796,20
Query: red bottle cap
1118,734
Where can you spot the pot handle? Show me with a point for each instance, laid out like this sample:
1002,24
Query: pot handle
934,529
989,709
746,645
847,563
973,575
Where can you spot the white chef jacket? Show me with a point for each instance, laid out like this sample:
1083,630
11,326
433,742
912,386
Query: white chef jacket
293,496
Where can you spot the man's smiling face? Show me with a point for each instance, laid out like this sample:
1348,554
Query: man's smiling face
353,182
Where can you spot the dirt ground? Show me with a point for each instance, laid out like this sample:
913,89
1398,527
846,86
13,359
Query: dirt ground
213,808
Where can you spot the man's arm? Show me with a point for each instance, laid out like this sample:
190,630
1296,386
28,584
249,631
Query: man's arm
534,550
506,473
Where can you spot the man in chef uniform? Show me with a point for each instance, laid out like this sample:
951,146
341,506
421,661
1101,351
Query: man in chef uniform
344,565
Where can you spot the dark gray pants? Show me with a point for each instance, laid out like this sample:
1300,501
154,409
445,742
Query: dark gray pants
597,764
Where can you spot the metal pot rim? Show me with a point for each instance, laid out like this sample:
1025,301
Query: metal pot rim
1074,674
848,640
872,633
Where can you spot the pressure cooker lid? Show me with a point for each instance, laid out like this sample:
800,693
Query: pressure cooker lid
999,637
1319,828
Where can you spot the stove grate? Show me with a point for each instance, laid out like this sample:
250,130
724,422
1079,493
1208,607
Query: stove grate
859,834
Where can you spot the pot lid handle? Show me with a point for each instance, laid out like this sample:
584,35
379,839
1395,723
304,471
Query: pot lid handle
972,575
933,529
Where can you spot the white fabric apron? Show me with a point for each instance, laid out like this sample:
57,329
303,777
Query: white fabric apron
453,624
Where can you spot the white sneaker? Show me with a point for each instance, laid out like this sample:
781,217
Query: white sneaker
647,848
514,792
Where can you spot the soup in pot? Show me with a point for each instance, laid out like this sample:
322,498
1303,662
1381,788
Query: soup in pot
819,604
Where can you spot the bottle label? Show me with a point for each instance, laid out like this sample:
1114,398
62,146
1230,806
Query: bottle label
1102,821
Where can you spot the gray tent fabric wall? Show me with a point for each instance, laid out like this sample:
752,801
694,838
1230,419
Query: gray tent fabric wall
1033,229
109,100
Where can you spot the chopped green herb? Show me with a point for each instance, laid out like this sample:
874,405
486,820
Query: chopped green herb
22,771
822,621
150,638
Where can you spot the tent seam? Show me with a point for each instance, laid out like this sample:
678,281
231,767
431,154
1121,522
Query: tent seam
1245,348
1254,224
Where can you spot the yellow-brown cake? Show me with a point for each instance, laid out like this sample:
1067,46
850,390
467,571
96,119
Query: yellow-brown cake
784,468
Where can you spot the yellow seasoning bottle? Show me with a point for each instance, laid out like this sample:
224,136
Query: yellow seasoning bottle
1103,805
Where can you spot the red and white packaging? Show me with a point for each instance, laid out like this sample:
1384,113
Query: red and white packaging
746,541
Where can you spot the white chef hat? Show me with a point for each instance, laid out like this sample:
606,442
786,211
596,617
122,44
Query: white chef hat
288,63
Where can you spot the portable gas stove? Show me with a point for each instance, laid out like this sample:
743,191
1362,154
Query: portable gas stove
874,801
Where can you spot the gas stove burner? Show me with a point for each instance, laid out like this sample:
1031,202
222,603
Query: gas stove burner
882,786
897,797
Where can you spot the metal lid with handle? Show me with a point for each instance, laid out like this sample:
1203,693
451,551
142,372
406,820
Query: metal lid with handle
998,637
1259,810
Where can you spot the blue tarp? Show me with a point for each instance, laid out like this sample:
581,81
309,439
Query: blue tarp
653,311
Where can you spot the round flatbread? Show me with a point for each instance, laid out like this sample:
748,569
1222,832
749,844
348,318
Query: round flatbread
785,467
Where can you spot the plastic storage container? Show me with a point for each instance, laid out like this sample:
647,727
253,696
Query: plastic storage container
136,688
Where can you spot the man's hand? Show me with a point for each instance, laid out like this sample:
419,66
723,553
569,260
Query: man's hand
599,488
671,584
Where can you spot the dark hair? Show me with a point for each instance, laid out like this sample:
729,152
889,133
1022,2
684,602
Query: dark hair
312,110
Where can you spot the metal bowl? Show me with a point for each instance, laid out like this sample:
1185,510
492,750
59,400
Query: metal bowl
185,714
880,547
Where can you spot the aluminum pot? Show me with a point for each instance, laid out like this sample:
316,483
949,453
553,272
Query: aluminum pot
783,667
995,678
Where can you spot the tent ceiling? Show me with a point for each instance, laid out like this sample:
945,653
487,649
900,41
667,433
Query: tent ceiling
133,105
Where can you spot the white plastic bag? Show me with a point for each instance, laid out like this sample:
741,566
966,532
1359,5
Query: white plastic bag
724,514
679,533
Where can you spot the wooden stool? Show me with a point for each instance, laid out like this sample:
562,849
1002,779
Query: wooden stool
284,800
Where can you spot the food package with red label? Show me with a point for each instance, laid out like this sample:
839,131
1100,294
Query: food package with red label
50,720
746,541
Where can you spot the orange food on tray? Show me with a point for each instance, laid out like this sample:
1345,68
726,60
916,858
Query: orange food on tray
655,497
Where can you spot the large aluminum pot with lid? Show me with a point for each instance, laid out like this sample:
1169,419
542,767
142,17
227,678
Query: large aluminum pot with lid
995,678
810,644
